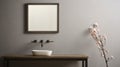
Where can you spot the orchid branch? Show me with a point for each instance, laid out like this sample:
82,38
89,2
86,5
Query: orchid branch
100,42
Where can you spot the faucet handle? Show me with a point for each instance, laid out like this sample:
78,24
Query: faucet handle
34,41
48,41
41,41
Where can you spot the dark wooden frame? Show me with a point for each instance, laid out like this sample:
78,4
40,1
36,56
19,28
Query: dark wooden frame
84,59
26,18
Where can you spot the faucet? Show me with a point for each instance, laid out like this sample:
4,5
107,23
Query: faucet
47,41
42,42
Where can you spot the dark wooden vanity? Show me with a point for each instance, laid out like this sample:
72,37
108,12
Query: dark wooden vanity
82,58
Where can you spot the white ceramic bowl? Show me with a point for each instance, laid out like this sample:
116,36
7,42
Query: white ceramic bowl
42,52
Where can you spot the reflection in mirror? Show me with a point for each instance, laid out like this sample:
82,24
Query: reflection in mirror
42,18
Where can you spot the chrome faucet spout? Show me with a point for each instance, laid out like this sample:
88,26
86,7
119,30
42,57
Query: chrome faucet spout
41,42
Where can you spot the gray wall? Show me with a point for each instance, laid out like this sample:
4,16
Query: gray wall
75,18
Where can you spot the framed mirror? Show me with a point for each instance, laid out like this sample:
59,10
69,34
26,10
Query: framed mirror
42,18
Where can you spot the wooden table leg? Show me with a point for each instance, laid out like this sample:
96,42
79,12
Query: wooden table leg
86,63
83,64
6,63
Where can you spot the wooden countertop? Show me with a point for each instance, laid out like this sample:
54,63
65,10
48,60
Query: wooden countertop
52,57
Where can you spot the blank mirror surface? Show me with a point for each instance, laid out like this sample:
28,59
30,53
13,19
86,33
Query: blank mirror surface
42,18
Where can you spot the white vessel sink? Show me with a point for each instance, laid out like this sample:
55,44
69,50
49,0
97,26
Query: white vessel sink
42,52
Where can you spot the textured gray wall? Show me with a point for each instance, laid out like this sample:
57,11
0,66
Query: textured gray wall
75,18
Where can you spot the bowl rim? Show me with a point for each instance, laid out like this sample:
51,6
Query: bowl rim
41,50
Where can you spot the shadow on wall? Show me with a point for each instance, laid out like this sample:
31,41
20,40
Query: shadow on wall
27,48
42,63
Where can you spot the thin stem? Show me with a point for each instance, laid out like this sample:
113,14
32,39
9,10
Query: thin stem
104,54
105,58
